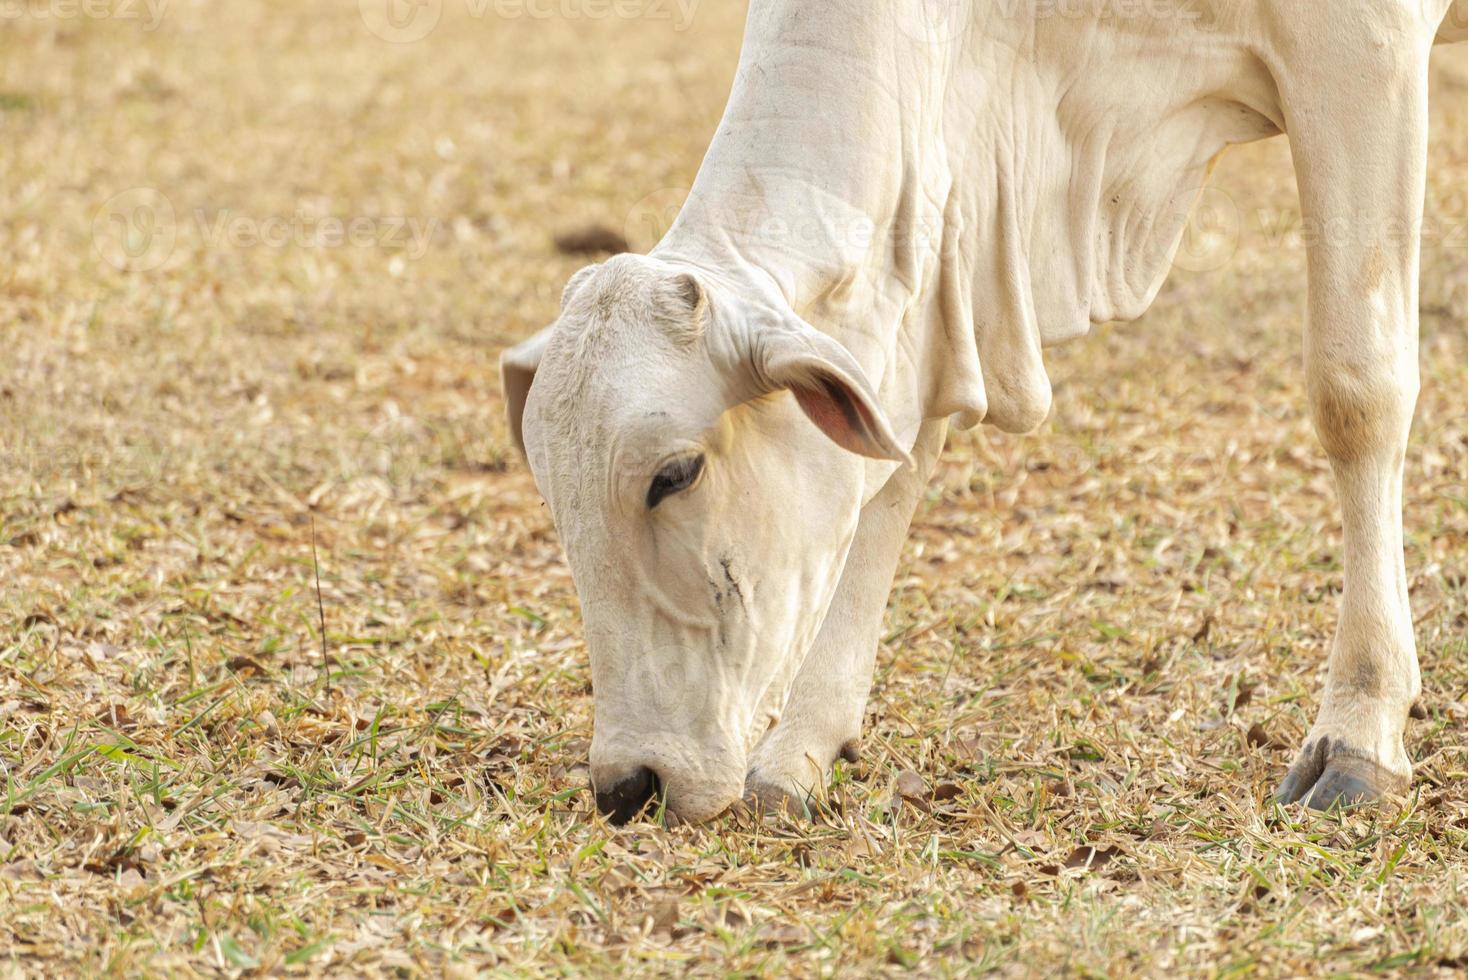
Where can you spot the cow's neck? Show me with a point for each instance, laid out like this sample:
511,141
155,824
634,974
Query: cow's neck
788,196
943,209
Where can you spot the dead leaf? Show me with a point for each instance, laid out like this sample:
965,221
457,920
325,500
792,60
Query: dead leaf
665,915
1157,830
26,870
124,860
116,716
947,791
245,666
912,789
783,934
863,844
1237,693
968,747
911,785
501,918
282,779
1258,737
1091,858
387,864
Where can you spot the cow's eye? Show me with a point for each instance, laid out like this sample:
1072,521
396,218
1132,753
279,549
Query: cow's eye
676,477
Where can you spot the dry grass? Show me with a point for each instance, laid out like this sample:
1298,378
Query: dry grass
1089,624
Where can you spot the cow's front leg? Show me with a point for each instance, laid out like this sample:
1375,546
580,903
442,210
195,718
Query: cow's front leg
822,718
1359,136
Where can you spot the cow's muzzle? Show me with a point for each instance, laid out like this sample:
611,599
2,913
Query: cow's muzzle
627,797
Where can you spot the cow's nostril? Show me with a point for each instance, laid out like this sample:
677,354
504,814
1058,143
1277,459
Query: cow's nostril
626,799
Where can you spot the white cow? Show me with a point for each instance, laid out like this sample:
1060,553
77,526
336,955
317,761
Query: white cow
905,201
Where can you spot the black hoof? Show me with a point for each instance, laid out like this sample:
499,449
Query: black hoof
1341,789
1331,775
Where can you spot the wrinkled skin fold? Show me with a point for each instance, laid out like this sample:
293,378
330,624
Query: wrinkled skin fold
904,205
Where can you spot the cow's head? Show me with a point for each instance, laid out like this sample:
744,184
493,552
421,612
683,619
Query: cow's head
668,422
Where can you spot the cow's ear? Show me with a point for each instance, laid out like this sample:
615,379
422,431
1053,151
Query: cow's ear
519,364
829,385
576,282
517,371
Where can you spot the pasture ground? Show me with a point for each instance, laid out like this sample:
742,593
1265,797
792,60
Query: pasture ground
1105,641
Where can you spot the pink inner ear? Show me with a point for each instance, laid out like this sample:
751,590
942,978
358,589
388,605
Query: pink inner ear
836,414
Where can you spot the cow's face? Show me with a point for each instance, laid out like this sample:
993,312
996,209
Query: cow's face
705,518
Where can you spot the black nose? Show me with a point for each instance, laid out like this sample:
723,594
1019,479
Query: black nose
626,799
